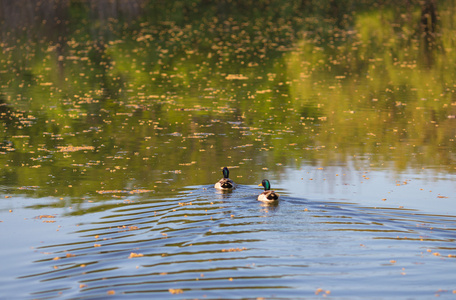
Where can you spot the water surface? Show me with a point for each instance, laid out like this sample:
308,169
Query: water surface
201,243
113,134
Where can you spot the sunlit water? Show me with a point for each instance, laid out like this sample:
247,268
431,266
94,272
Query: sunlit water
200,243
112,135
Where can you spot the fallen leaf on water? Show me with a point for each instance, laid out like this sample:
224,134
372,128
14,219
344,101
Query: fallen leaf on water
45,216
234,249
135,255
176,291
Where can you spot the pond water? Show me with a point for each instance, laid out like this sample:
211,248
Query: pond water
110,148
201,243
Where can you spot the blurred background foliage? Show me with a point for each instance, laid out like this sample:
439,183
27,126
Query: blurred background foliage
64,16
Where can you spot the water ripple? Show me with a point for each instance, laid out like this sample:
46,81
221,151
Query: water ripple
204,244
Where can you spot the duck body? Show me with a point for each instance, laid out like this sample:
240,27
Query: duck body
225,183
268,195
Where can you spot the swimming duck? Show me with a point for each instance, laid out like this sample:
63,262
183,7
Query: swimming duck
267,195
225,183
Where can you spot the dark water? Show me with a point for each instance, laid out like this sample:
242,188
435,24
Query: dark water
200,243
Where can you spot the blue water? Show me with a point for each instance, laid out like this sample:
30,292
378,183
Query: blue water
199,243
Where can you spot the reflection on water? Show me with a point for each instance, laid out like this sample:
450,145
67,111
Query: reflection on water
113,133
421,190
151,109
203,243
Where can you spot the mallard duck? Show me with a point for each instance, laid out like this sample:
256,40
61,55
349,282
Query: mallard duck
225,183
267,195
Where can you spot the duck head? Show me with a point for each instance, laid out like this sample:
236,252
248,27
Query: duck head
226,172
266,184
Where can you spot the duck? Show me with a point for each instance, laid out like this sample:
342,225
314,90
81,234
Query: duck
268,195
225,184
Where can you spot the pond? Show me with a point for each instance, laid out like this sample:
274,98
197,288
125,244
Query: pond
114,135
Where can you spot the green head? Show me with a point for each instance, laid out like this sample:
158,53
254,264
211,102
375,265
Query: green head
226,172
266,184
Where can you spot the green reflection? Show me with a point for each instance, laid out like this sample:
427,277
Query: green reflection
139,107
